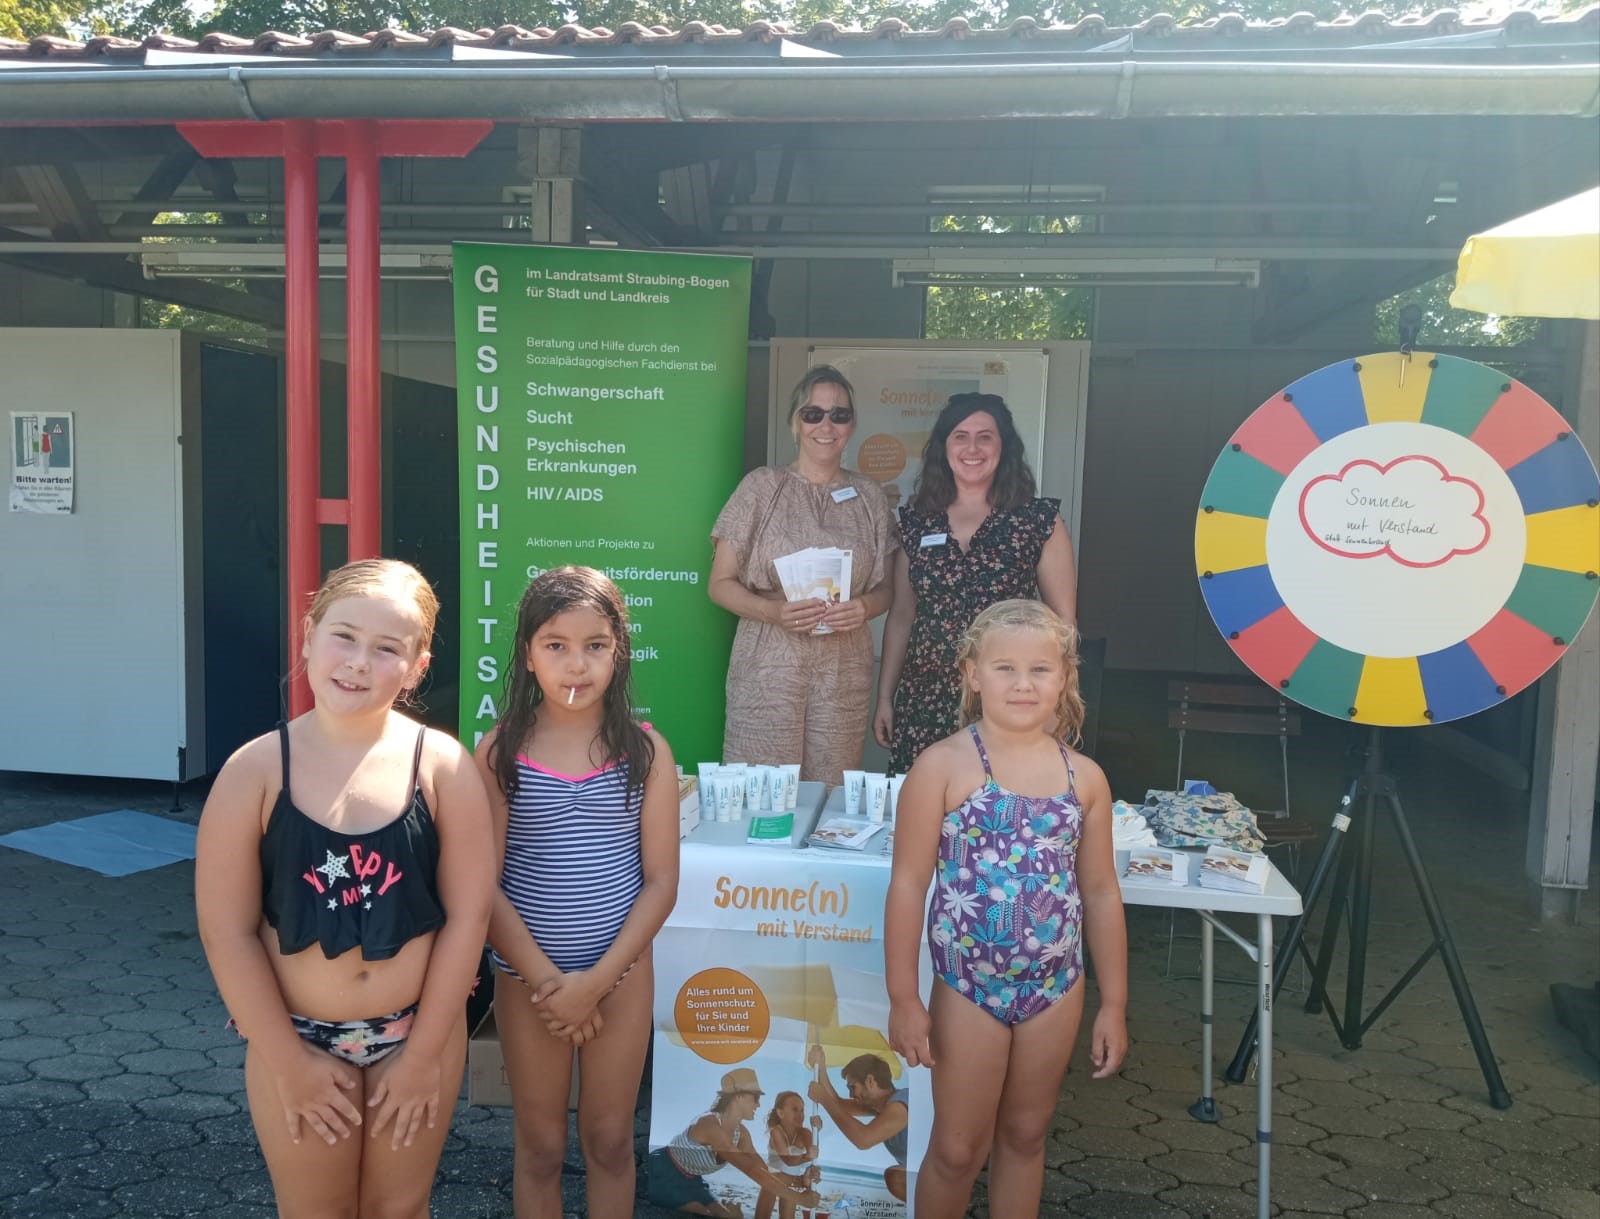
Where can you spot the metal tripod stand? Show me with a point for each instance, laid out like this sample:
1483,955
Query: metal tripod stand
1352,896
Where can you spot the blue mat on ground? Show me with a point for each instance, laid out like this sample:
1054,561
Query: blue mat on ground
113,844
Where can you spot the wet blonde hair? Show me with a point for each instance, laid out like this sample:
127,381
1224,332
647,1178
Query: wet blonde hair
389,578
1020,615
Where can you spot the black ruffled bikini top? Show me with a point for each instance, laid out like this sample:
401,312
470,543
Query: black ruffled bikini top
378,890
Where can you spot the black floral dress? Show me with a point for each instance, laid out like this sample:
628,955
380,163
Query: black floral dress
953,586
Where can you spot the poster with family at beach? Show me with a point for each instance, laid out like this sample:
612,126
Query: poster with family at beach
774,1091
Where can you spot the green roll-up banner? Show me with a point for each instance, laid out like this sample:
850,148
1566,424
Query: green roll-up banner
601,406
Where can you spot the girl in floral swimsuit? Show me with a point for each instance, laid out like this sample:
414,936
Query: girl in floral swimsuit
1019,878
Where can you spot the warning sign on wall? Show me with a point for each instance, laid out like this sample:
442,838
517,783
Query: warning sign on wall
41,462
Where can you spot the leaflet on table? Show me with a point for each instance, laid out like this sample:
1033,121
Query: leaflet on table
845,833
820,573
772,830
1158,864
1233,871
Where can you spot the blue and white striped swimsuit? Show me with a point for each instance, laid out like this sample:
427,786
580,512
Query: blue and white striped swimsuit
573,866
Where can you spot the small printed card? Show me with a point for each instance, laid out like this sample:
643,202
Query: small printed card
845,833
1156,864
1235,871
776,830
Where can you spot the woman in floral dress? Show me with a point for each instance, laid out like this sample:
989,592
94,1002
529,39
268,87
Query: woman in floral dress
974,533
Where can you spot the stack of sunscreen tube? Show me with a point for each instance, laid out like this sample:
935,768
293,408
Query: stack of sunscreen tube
728,790
871,794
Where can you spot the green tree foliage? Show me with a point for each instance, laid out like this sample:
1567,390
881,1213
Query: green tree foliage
30,18
995,311
135,18
1008,314
1443,325
156,314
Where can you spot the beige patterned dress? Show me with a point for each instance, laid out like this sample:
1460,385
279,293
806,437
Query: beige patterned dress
792,697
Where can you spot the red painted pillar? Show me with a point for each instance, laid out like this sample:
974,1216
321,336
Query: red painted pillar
302,333
364,384
361,142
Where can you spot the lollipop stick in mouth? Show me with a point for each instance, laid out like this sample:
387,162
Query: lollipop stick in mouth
572,693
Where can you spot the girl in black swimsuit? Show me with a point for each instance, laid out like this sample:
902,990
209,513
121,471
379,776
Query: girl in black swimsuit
342,883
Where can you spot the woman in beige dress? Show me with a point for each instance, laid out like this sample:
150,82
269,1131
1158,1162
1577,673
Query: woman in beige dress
795,695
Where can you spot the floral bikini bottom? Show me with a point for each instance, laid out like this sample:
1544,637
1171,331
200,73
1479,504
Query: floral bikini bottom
361,1042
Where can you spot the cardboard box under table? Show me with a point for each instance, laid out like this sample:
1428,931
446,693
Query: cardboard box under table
487,1082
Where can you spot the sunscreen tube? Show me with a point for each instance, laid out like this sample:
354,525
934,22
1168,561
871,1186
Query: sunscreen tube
735,774
877,798
772,788
790,772
855,782
706,772
755,788
723,785
894,794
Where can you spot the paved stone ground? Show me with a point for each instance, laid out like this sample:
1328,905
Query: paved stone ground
121,1094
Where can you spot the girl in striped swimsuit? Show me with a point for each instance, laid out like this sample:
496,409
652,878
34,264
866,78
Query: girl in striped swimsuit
586,809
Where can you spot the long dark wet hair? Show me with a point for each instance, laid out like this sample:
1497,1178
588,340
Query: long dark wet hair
556,591
1013,484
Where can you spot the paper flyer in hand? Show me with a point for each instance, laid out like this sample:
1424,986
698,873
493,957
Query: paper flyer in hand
820,573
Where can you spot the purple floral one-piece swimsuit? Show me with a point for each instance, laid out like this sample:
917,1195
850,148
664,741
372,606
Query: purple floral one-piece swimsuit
1005,923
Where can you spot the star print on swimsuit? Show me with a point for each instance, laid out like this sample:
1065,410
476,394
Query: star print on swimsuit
334,868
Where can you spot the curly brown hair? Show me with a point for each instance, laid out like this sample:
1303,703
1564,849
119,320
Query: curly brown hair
1013,483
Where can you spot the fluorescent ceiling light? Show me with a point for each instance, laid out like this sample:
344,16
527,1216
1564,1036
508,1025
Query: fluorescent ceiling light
222,261
1079,270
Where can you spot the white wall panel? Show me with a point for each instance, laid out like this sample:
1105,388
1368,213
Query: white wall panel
97,642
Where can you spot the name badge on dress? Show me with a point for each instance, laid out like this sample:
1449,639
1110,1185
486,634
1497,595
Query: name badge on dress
934,539
844,493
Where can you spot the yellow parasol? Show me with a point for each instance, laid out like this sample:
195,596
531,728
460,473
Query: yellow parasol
1544,264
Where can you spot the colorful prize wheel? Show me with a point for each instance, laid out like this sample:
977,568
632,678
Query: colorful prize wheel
1401,541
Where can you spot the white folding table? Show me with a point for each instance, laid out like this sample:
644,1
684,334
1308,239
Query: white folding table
1279,898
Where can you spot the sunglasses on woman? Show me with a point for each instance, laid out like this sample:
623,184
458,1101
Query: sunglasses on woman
839,414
